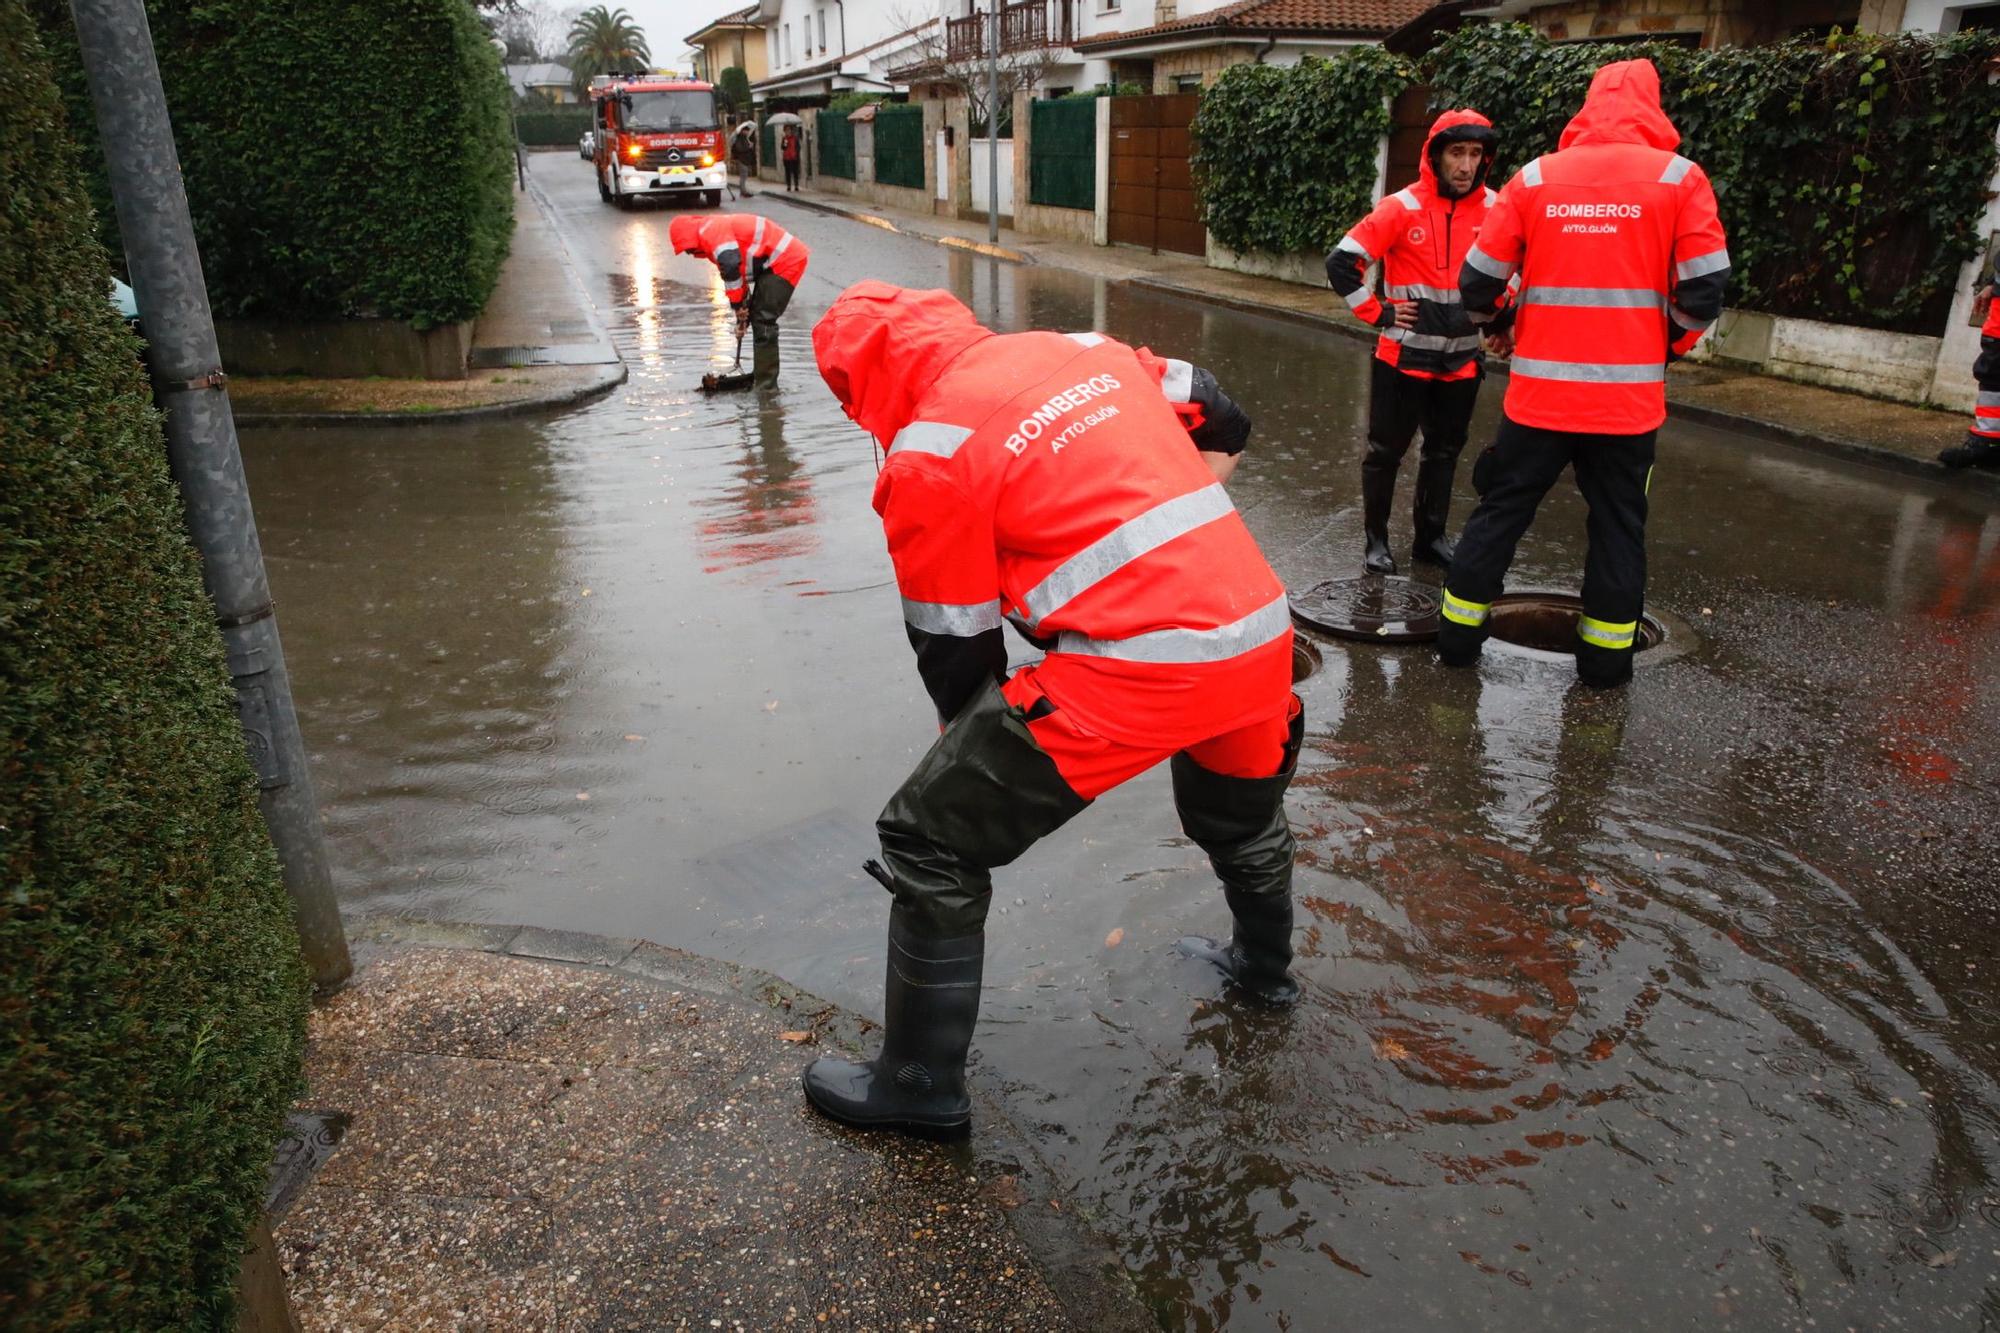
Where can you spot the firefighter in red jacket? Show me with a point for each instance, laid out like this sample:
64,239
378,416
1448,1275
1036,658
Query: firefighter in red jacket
1427,362
1981,447
1072,486
761,264
1622,266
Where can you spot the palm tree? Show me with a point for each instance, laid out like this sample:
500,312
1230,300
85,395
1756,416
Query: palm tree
604,41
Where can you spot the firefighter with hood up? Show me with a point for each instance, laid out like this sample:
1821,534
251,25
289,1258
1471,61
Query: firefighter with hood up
1622,266
1072,486
1981,446
761,264
1427,362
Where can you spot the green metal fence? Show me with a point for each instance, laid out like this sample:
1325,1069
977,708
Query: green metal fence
836,146
899,146
1062,153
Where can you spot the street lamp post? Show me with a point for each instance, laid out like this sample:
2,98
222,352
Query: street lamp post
993,121
137,139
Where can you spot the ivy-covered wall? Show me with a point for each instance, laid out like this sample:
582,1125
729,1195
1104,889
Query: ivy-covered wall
1284,157
152,1001
342,157
1851,173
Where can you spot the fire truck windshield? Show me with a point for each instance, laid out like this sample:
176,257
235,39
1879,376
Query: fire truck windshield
682,109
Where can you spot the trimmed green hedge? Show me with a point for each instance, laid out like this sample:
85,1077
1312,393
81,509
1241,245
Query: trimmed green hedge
152,1000
1851,172
1284,157
342,157
555,127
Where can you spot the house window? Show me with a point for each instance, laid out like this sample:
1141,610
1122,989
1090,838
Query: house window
785,47
1187,83
822,32
1108,6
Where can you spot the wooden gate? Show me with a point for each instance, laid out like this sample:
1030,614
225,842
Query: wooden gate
1409,125
1153,200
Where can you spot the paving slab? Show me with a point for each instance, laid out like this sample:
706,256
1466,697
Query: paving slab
538,1143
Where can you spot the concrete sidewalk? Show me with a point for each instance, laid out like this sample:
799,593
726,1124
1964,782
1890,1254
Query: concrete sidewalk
538,345
1827,421
549,1130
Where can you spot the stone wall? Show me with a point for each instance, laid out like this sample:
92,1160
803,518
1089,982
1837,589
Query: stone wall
1207,61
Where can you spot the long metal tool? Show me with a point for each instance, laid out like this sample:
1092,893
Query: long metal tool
137,139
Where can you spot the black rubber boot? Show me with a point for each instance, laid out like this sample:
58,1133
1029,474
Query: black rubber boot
930,1001
1972,452
1240,823
1378,494
1433,510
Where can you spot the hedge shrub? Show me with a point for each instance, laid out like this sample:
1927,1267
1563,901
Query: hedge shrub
1284,157
1851,172
342,157
557,126
152,1001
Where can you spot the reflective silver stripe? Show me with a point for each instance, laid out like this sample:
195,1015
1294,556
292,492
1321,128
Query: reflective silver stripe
1416,291
1712,262
1395,333
1676,171
726,246
781,247
1354,247
960,620
1266,624
1459,611
1532,173
1590,372
1408,200
1178,383
1357,298
929,437
1989,398
1605,633
1616,298
1487,264
1087,339
1492,196
1437,342
1689,322
1122,545
756,237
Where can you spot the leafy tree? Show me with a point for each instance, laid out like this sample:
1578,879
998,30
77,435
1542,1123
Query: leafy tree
733,86
605,41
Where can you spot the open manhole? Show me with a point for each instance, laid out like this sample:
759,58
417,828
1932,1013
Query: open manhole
1541,623
1372,609
1306,660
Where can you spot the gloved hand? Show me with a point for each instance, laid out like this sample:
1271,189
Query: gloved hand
742,319
1482,470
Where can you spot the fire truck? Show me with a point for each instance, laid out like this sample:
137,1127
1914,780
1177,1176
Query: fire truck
658,137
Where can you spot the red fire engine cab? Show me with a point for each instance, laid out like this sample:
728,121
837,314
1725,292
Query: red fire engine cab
658,138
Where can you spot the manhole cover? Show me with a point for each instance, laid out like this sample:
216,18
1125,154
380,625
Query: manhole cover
1541,623
1373,608
1306,660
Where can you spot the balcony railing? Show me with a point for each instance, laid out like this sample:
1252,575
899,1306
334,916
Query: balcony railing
1025,26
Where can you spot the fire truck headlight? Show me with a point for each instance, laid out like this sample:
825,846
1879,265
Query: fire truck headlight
635,152
708,159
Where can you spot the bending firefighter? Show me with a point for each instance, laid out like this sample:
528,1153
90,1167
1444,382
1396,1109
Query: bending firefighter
1427,363
1981,447
760,262
1622,265
1071,485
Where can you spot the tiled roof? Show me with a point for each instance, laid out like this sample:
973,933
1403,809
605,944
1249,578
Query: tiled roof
1317,18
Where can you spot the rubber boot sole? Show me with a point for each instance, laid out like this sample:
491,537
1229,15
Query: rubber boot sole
943,1129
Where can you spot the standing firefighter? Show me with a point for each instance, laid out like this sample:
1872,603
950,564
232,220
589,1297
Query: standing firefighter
1427,362
1982,439
1049,480
1622,267
760,262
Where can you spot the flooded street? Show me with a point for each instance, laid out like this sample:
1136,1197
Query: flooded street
1667,1008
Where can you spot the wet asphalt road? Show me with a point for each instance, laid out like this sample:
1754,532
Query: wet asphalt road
1670,1008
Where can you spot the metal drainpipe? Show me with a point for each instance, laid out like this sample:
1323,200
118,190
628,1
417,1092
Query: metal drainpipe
137,139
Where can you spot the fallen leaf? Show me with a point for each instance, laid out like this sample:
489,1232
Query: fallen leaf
586,592
795,1038
634,736
1006,1192
1115,938
583,796
1388,1048
1941,1260
771,707
1595,887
